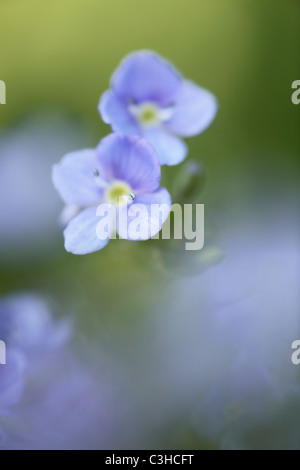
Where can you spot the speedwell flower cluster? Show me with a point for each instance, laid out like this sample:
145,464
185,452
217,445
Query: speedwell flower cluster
150,106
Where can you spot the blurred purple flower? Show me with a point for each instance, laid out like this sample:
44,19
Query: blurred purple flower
27,325
11,380
29,333
121,172
223,343
148,97
49,397
67,406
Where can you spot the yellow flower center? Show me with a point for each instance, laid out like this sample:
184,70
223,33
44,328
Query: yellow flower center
118,192
149,114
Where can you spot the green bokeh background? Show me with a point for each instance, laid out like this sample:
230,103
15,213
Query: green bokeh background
60,54
246,51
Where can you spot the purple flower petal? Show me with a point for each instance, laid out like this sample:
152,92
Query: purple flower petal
113,111
194,110
12,378
149,211
130,159
170,149
145,76
32,326
81,233
74,179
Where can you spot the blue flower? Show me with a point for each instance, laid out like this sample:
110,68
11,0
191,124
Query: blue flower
11,380
26,324
148,97
122,173
27,329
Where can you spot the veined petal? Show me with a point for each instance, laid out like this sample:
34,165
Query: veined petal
74,179
114,112
194,110
144,218
81,233
170,149
145,76
130,159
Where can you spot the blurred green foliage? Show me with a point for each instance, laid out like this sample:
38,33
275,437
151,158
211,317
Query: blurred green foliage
62,53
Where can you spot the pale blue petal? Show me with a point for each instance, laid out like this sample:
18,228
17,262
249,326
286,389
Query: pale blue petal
114,112
74,179
151,221
130,159
170,149
81,233
145,76
194,110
